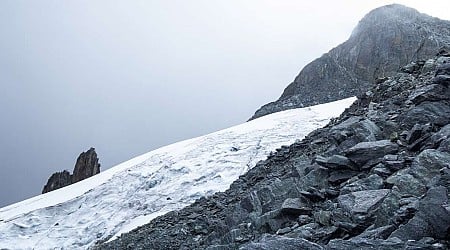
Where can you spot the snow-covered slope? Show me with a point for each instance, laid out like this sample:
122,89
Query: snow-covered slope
170,178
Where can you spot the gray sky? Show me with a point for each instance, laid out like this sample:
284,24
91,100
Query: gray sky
127,77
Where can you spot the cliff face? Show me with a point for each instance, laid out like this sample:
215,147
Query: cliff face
377,177
57,181
384,40
86,166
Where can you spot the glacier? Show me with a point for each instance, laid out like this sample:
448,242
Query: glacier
131,194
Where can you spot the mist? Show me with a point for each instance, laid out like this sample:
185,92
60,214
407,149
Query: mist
127,77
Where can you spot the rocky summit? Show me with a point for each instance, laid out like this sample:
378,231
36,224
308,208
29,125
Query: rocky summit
377,177
86,166
384,40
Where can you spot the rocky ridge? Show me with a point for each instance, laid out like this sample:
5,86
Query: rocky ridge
384,40
86,166
377,177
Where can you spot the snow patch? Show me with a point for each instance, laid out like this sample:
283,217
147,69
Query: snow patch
135,192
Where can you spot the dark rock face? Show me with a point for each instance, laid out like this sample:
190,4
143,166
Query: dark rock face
364,152
377,177
384,40
431,219
57,180
86,166
268,242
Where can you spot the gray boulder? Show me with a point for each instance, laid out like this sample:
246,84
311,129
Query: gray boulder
437,113
335,162
443,69
443,80
362,202
431,220
441,139
270,242
379,244
295,206
363,152
433,92
373,182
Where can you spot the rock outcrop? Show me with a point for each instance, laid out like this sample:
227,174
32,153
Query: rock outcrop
57,181
384,40
377,177
86,166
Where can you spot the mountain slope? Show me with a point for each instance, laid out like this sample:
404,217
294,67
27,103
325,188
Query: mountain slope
170,178
378,177
384,40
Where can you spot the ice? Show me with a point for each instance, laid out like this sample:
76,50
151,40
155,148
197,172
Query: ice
135,192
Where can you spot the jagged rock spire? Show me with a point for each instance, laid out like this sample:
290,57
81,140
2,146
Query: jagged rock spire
86,166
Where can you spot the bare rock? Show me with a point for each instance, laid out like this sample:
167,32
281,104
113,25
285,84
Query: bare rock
57,180
433,92
295,206
385,39
363,152
335,162
362,202
87,165
431,220
268,242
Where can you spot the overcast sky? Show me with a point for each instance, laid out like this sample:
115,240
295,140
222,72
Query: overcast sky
127,77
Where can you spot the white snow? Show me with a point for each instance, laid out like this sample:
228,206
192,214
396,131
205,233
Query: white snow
169,178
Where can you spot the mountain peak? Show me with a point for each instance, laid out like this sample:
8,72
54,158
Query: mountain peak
393,10
384,40
388,14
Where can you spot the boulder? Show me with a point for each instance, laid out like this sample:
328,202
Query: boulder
373,182
269,242
431,220
371,244
339,176
381,170
394,162
440,139
354,130
362,202
335,162
406,183
443,69
437,113
363,152
295,206
376,233
443,80
428,164
433,92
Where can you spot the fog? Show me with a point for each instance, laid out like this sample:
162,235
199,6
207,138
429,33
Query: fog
127,77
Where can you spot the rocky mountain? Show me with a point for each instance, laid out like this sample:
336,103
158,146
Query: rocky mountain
383,41
86,166
377,177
